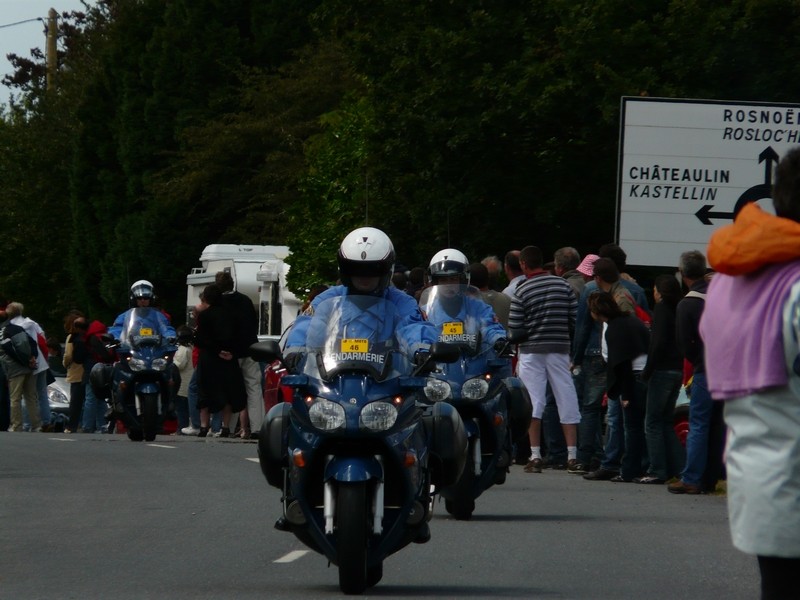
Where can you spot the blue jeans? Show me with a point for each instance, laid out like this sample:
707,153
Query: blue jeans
615,437
667,456
94,411
182,411
194,412
700,405
42,400
590,384
552,431
5,402
633,423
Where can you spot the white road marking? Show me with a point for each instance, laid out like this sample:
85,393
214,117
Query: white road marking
292,556
252,459
161,446
63,439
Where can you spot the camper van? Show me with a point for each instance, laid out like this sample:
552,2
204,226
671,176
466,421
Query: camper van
259,272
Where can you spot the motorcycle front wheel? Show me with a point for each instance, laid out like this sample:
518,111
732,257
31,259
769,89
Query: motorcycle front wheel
351,536
462,503
149,417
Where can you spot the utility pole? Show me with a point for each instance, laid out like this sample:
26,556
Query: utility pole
52,49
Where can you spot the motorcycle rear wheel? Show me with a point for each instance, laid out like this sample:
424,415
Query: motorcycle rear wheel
149,417
351,536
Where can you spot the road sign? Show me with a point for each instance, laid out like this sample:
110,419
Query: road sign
686,167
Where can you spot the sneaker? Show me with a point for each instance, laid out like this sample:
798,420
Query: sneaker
601,474
679,487
190,430
223,433
575,467
203,432
534,466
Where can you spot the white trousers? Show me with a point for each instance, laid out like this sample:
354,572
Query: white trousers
536,371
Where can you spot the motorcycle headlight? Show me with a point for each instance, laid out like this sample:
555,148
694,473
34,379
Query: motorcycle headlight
56,397
326,415
159,364
137,364
378,416
475,389
437,390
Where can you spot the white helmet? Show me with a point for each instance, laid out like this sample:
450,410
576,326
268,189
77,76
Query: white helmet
448,263
366,252
142,289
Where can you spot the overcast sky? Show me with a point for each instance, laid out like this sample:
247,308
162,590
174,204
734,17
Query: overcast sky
19,39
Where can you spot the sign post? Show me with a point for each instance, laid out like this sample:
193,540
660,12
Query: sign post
686,167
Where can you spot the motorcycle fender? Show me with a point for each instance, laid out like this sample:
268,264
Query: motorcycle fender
519,407
148,388
449,444
272,444
353,468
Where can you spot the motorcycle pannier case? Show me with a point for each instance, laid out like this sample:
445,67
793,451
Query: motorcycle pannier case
519,408
272,444
448,444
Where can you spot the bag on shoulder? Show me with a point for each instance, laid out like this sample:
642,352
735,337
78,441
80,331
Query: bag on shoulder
8,335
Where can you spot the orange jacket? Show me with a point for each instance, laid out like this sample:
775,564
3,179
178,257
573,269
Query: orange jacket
755,239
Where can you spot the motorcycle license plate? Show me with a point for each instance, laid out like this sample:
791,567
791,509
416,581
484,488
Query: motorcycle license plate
145,331
456,328
355,345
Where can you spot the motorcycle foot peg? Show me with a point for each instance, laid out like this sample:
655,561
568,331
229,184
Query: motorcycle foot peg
282,524
416,515
294,513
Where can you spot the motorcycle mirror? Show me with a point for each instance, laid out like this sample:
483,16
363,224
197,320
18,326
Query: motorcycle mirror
268,351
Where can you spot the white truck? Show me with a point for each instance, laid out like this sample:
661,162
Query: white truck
258,272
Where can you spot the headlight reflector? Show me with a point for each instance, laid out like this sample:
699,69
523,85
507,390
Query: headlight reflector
475,389
326,415
378,416
137,364
159,364
437,390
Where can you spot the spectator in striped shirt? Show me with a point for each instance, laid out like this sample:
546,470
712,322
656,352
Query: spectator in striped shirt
545,306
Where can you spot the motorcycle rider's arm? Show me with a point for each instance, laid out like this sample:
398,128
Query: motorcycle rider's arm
116,329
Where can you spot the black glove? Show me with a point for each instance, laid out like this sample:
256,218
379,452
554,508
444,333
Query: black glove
292,359
501,345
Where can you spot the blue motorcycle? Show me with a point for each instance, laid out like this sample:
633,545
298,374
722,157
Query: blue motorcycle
357,450
494,405
141,381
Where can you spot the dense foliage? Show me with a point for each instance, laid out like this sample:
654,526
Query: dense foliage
481,125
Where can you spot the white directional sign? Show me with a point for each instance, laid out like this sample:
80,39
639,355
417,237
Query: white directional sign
686,167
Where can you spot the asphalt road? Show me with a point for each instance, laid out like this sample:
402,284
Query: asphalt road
96,516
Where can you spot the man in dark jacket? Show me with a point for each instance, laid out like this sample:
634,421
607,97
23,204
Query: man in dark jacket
699,471
245,336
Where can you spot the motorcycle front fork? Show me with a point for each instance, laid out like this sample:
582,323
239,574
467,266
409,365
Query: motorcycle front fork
329,507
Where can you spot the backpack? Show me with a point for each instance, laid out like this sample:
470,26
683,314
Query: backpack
95,345
7,336
640,313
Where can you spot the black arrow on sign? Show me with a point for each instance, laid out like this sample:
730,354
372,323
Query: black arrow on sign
769,155
705,215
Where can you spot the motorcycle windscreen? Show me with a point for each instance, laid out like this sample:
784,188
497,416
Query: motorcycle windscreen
141,328
453,309
356,334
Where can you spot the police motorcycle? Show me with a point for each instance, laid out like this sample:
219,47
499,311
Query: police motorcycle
494,405
145,368
357,450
